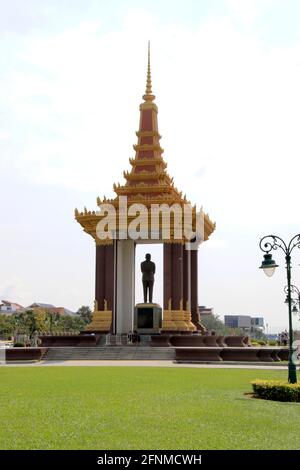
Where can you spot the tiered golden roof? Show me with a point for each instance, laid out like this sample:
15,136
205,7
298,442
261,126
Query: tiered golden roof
147,182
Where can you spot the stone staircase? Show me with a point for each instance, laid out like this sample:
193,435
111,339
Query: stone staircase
110,353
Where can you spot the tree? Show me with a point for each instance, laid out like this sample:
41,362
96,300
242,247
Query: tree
52,322
213,322
72,323
85,313
6,326
31,321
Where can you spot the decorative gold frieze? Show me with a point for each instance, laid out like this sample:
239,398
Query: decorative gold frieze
147,161
147,147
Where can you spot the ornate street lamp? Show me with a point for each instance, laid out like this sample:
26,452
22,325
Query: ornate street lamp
270,243
268,265
295,310
295,302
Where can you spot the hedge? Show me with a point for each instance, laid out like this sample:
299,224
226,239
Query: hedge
276,390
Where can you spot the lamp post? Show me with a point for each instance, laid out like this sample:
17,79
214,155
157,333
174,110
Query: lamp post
268,244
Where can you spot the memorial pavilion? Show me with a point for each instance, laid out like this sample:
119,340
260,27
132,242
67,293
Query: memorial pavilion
147,183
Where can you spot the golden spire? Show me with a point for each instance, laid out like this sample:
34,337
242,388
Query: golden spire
148,93
149,84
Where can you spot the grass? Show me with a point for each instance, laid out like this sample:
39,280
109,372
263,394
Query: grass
141,408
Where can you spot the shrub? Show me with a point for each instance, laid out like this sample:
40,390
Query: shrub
276,390
258,342
19,345
272,342
261,342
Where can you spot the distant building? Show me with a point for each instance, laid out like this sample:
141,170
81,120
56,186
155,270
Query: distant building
243,321
9,307
272,336
45,308
42,307
257,322
205,311
237,321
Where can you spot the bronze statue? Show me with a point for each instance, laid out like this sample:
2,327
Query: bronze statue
148,270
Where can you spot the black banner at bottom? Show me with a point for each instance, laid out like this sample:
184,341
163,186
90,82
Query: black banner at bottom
139,459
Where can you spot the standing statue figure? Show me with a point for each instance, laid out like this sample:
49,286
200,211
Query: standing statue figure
148,270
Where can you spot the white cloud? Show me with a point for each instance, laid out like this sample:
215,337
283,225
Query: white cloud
248,10
5,135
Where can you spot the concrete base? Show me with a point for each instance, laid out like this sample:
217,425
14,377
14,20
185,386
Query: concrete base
81,340
147,318
25,354
235,354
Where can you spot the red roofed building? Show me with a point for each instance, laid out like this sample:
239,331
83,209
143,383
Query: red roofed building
9,307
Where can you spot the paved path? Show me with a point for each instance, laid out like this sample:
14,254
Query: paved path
145,364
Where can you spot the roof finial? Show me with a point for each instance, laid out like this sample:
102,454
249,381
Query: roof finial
148,94
149,84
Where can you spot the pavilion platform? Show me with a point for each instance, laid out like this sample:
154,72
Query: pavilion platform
181,348
251,355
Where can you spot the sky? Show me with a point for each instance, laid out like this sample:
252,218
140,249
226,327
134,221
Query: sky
226,75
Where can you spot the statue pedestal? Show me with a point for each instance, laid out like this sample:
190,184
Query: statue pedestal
147,318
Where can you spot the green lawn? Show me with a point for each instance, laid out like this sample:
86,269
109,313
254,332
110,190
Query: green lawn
141,408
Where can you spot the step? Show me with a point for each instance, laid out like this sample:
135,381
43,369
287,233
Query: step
110,353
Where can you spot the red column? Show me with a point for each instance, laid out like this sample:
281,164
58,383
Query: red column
186,278
167,274
109,282
100,276
194,290
104,279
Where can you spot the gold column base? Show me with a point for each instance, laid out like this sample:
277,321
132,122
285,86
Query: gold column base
178,317
101,321
188,320
168,322
177,320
